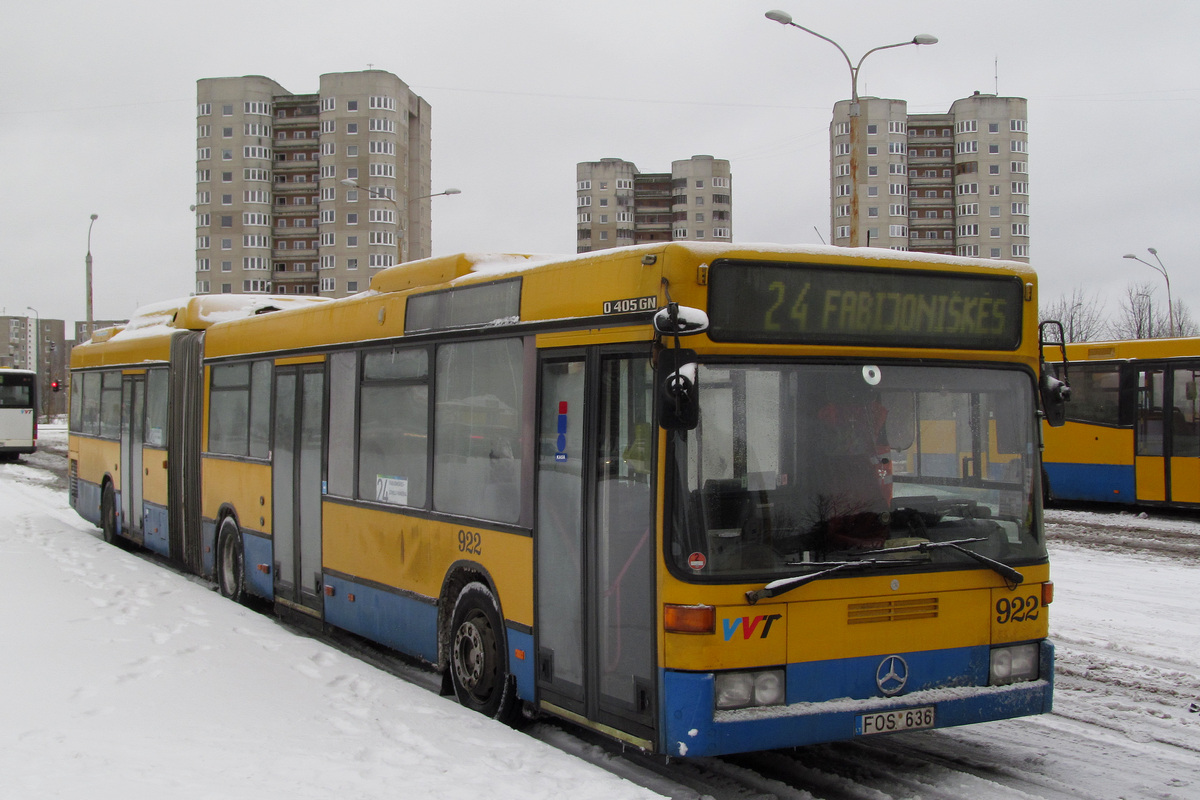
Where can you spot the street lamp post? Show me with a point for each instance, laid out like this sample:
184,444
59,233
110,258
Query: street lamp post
1162,270
784,18
401,244
87,262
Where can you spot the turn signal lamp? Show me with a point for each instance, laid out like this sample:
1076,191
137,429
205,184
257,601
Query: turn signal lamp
689,619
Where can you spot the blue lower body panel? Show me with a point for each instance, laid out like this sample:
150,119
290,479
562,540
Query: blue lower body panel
402,622
258,550
692,728
155,532
1098,483
87,501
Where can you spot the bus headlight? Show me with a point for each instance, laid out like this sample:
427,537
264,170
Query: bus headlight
1012,664
745,689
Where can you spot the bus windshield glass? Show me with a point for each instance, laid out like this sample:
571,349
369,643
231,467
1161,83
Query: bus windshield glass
817,463
16,391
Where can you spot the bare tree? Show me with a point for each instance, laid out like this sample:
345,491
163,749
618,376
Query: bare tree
1139,316
1184,324
1081,315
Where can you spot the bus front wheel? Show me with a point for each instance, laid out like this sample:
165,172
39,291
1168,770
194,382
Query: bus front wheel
478,668
231,574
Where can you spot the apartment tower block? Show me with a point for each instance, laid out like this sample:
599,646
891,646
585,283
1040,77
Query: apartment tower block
617,205
954,183
309,193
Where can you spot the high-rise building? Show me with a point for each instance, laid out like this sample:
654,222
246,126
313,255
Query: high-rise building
617,205
39,345
309,193
954,183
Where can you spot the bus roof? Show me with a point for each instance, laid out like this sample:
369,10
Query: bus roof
554,287
1128,349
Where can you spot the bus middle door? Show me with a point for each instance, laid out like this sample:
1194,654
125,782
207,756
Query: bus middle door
133,407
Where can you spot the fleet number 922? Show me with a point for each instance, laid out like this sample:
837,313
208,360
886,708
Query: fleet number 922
1018,609
470,542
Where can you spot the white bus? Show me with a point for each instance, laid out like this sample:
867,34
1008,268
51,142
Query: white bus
18,412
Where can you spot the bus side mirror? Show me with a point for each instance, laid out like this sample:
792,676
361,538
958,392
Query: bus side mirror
677,320
679,403
1055,395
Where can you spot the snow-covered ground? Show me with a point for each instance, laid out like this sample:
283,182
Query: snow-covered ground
122,679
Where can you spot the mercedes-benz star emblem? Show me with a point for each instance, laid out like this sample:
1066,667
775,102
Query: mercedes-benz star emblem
891,675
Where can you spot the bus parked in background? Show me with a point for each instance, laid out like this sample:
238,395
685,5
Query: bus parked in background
18,412
704,499
1133,424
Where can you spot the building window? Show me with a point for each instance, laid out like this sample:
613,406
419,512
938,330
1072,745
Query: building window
842,170
841,149
872,150
1018,126
1020,250
898,231
202,265
1020,187
968,209
871,170
843,129
873,211
1020,229
966,126
968,188
843,232
993,169
994,233
382,102
898,127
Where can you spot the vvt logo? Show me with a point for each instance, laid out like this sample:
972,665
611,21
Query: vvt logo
749,625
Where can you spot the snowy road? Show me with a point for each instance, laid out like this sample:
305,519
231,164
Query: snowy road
1126,722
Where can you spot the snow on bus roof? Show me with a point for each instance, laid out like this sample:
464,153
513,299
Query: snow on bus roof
198,313
201,311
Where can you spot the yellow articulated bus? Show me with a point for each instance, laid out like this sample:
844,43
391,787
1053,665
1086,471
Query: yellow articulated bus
1132,434
703,499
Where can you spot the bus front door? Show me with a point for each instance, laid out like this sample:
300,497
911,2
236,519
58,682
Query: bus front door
133,406
296,485
595,542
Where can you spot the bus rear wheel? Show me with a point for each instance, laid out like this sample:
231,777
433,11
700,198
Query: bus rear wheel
478,664
108,515
231,573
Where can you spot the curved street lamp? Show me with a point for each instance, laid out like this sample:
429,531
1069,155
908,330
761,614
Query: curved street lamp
784,18
401,246
1161,270
88,267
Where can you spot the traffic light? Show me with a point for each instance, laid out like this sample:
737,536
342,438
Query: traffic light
55,386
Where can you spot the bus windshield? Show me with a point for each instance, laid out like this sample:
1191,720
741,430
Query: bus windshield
812,463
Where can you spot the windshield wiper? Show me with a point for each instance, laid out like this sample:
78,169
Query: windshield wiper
1004,570
783,585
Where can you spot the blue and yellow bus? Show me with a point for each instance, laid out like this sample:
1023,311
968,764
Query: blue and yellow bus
1133,424
703,499
18,412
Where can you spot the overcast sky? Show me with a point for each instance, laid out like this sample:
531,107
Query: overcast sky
97,116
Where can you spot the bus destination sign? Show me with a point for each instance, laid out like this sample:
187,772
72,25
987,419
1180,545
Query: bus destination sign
751,301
